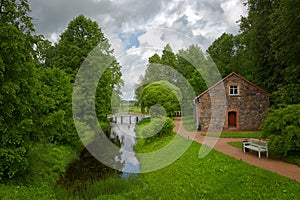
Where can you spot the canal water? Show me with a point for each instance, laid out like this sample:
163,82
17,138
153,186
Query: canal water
124,130
87,169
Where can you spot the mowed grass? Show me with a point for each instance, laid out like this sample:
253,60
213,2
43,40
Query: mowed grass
236,144
236,135
216,176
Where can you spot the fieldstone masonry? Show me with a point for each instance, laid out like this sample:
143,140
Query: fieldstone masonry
243,111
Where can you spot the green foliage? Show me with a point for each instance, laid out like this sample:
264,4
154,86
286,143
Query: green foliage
161,93
53,118
255,31
47,164
83,37
286,94
187,68
36,84
227,52
17,82
154,129
286,49
15,12
195,68
282,127
267,49
77,41
108,90
285,32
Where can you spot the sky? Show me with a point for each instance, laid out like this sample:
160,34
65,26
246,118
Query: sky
137,29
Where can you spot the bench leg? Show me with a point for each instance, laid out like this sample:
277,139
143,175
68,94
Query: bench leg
267,154
259,154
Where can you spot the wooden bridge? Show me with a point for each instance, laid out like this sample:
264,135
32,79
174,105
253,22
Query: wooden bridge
127,118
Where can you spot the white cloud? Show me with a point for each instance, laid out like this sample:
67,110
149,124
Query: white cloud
233,10
172,22
54,37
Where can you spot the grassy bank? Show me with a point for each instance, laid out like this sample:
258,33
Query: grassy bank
216,176
47,164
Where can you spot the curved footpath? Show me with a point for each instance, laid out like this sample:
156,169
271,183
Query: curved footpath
276,166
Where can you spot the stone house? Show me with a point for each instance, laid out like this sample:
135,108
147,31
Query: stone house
242,109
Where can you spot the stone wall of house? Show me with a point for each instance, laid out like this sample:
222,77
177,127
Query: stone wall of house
250,105
212,106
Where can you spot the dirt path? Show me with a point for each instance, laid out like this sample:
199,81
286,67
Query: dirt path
279,167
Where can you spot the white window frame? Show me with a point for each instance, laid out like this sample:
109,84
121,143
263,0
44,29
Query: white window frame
234,90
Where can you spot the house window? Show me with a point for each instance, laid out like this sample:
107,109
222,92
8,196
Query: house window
233,90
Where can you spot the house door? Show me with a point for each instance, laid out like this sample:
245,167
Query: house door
232,120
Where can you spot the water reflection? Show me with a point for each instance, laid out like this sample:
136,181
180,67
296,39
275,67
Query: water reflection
87,169
125,132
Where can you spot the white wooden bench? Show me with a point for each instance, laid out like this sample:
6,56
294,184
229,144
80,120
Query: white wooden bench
256,145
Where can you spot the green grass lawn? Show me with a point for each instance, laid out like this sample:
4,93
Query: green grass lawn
216,176
236,144
236,135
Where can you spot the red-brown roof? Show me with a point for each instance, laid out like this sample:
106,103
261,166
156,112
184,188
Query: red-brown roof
228,76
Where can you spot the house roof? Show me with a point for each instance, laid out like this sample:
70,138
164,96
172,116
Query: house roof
228,76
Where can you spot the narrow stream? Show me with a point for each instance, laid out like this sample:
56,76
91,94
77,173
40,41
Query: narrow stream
125,132
84,171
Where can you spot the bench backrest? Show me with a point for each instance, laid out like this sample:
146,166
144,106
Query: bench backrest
258,142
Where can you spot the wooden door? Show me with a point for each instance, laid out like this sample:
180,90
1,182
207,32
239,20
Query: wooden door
232,119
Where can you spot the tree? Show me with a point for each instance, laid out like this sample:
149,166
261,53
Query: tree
190,70
282,127
15,12
53,119
44,51
227,52
17,82
255,31
76,42
286,49
161,93
196,68
158,68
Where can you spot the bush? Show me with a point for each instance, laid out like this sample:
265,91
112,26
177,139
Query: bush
164,95
155,128
282,127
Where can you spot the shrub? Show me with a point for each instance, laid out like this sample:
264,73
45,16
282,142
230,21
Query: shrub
282,127
155,128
